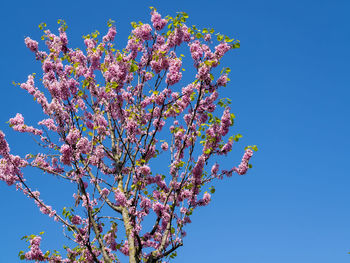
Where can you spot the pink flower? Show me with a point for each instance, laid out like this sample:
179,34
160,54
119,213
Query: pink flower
222,80
158,124
73,136
66,156
120,198
243,167
104,192
110,35
164,146
49,123
207,37
76,220
227,147
17,120
198,168
125,248
174,75
17,124
215,169
225,122
35,252
221,49
145,170
196,50
203,73
4,147
145,203
143,32
158,22
205,200
31,44
84,145
158,208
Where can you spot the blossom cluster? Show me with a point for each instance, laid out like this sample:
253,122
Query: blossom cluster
109,137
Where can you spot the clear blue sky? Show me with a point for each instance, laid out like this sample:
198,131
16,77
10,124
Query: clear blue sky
290,92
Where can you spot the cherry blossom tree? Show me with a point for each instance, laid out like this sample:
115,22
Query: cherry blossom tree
112,117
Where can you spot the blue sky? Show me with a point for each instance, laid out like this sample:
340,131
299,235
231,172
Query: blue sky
290,93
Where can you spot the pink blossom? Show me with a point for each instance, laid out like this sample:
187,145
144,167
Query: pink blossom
125,248
17,120
31,44
207,37
174,75
66,156
84,145
110,239
17,124
221,49
158,124
120,198
35,252
4,147
227,147
104,192
203,73
8,172
205,200
49,123
110,35
198,168
145,170
76,220
73,136
158,208
164,146
243,167
143,32
145,203
215,169
158,22
90,43
196,50
225,122
222,80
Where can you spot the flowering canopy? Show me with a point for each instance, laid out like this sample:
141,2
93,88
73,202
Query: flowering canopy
108,114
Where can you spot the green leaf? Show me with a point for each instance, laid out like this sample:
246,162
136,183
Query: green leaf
110,22
228,40
232,117
42,25
237,137
220,37
236,45
207,151
133,68
199,35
